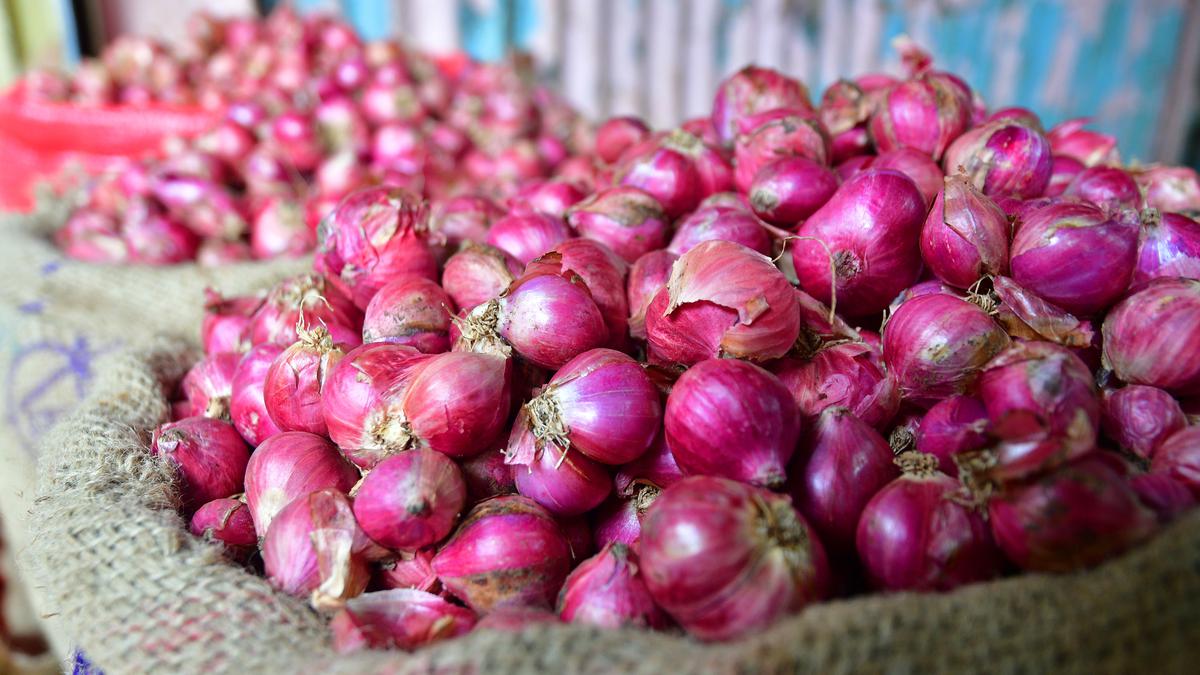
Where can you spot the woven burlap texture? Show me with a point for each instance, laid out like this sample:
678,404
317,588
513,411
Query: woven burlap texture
112,557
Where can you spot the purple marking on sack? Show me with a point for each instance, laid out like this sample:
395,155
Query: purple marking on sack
33,307
82,666
51,267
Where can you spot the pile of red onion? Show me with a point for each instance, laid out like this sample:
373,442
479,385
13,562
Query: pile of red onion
621,398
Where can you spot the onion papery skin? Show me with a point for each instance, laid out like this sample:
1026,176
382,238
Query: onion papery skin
789,190
1108,187
507,551
848,462
1164,495
564,483
618,134
874,249
1149,337
843,106
1004,158
1140,418
208,386
398,618
601,403
290,465
1170,188
487,475
1179,458
226,521
925,113
1045,252
720,223
647,276
629,221
294,382
1074,517
915,535
209,455
308,300
1168,246
602,272
526,236
965,236
410,311
225,321
753,90
953,426
1089,148
247,408
411,500
607,591
373,236
725,559
477,273
765,137
409,570
1026,315
936,345
722,299
732,419
850,374
313,547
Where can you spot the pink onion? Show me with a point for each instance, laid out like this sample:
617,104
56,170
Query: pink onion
355,399
1140,418
726,559
607,591
295,136
1005,158
1025,315
91,236
225,319
290,465
154,239
752,90
925,113
601,271
1068,519
733,419
1108,187
953,426
656,468
552,197
647,276
308,300
847,464
965,236
1063,171
373,236
507,551
293,385
843,107
720,223
405,618
208,386
789,190
923,171
226,521
850,144
618,134
1167,497
410,311
629,221
279,230
1179,457
1169,246
722,299
619,520
914,535
850,374
465,218
477,273
1148,336
314,548
487,475
1170,188
666,169
409,570
936,345
526,236
209,455
1090,148
565,483
247,406
1045,254
411,500
867,233
783,132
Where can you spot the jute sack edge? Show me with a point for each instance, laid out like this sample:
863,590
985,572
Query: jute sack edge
110,554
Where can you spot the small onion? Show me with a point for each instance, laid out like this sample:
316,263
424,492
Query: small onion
618,134
619,520
208,386
1004,158
477,273
1090,148
294,382
1169,246
526,236
1108,187
290,465
789,190
314,548
410,311
487,475
1170,188
850,374
565,483
952,426
601,271
466,218
629,221
923,171
965,236
733,419
1063,171
666,169
279,230
1167,497
404,618
656,468
725,559
409,570
1140,418
925,113
308,300
1148,336
765,137
225,320
753,90
647,276
552,197
226,521
354,401
720,223
411,500
209,455
1179,458
607,591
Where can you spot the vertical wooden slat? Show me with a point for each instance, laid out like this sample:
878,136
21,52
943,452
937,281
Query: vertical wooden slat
1005,44
799,53
739,28
432,26
769,32
700,59
663,67
832,43
580,69
623,62
1181,104
866,45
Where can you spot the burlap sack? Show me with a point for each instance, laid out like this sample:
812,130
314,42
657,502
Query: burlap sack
57,316
111,556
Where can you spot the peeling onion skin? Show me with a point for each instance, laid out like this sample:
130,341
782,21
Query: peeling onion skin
850,374
629,221
965,236
399,618
410,310
753,90
290,465
607,591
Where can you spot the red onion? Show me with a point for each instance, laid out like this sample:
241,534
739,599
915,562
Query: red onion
545,318
515,619
722,299
294,382
341,126
607,591
936,345
372,237
965,236
1140,418
410,311
655,468
405,618
601,271
1148,336
720,223
1063,171
225,319
953,426
209,455
1170,188
578,532
411,500
619,520
552,197
477,273
629,221
410,570
1023,115
398,148
925,113
1169,246
847,464
850,374
789,190
487,475
726,559
1005,158
295,136
279,229
752,90
843,107
307,300
666,169
1108,187
462,219
733,419
1025,315
1068,519
314,548
526,236
1090,148
153,239
208,386
923,171
915,535
765,137
850,144
1179,457
226,521
92,237
1045,254
1167,497
647,276
247,406
617,134
867,233
507,551
290,465
565,483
